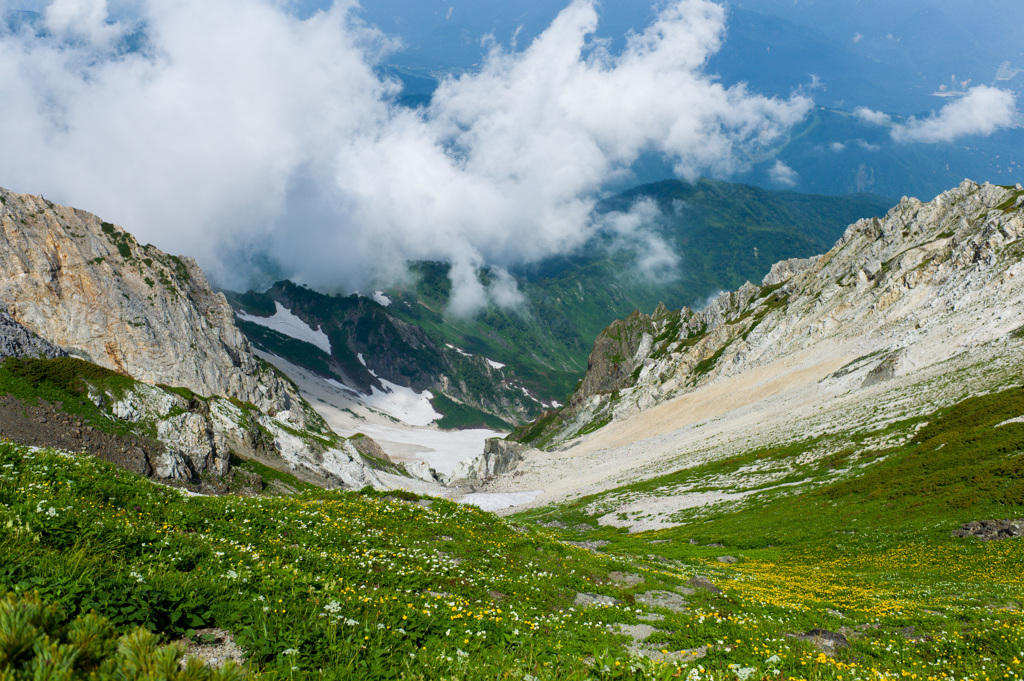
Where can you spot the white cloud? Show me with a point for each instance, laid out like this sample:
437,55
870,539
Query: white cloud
981,111
239,129
782,174
837,147
857,37
869,116
633,230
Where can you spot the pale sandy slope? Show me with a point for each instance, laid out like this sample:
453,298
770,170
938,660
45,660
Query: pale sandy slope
786,401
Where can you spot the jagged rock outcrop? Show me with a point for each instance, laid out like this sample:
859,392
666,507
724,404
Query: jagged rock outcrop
991,530
90,287
499,456
199,436
925,283
618,350
17,341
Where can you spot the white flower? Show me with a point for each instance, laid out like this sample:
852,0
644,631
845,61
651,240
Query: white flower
290,651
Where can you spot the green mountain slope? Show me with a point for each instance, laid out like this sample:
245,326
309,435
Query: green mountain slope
380,585
368,345
723,233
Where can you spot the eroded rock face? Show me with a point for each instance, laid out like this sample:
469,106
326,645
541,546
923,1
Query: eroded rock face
901,293
90,287
499,456
17,341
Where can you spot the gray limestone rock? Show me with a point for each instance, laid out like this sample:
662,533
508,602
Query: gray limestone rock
824,640
499,456
17,341
991,530
588,600
625,579
663,599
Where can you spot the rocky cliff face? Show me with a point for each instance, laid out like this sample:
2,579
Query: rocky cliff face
927,282
71,280
90,287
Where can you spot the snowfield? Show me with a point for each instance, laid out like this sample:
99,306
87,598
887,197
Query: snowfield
283,321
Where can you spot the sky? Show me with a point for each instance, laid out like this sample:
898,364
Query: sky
243,132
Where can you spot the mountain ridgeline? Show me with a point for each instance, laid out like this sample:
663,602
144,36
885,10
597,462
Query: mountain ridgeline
721,233
895,296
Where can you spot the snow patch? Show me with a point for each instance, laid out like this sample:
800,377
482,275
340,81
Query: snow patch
440,449
495,365
283,321
493,501
381,299
405,404
461,352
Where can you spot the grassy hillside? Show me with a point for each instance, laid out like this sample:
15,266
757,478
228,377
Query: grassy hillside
321,584
389,585
854,538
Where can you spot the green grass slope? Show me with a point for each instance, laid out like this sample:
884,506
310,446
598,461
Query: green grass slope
389,585
854,538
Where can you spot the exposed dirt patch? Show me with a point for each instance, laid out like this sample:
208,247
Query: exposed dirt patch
42,424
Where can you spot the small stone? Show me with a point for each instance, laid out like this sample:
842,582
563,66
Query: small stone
701,582
625,579
727,559
588,600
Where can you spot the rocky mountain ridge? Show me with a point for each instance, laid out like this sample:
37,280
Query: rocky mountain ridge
361,344
89,286
163,359
928,281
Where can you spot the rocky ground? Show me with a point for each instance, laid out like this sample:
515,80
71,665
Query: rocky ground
44,425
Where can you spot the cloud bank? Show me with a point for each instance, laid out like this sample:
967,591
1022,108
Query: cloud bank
980,112
236,132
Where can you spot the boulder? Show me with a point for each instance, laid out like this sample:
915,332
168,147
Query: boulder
991,530
701,582
499,456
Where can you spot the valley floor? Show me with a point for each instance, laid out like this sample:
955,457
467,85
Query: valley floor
795,399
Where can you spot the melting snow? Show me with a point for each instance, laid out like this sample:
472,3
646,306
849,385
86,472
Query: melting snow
381,299
461,352
285,322
492,501
441,449
404,404
496,365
